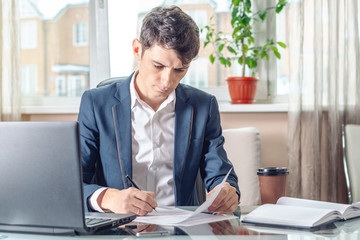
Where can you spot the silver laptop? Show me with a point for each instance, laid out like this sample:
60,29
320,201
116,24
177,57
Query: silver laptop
41,181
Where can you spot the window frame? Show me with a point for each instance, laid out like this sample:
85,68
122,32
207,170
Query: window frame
98,18
80,36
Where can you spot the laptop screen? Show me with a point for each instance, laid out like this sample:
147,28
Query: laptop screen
40,174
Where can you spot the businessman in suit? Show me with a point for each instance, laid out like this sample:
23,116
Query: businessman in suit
154,129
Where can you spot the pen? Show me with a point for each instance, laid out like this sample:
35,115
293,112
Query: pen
135,186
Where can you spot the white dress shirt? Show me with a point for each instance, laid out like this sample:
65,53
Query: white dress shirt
152,148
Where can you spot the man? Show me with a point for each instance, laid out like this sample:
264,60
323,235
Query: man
153,129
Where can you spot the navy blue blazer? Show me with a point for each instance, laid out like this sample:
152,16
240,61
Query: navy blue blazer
105,133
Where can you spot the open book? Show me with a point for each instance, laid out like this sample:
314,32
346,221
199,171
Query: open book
344,228
301,213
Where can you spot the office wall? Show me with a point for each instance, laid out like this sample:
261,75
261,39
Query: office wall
273,129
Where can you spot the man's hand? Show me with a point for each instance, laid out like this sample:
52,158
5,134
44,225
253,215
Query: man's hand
226,201
130,200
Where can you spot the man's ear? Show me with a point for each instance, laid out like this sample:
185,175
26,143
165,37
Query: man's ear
137,50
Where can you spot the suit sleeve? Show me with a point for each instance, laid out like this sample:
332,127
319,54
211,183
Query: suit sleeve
89,138
216,163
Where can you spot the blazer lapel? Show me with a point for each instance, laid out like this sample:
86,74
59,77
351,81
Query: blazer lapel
183,128
121,115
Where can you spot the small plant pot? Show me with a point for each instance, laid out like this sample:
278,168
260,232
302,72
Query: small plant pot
242,89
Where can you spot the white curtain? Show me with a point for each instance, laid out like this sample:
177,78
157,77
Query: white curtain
323,40
10,92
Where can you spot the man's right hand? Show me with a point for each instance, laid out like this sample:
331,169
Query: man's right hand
130,200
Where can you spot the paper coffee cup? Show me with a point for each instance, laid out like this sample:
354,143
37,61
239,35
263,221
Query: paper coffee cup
272,182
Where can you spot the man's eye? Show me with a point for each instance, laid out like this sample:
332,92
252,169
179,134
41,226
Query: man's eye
179,70
158,66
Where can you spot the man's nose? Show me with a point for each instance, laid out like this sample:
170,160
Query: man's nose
166,79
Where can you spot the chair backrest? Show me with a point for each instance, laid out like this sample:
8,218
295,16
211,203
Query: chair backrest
243,147
351,157
109,81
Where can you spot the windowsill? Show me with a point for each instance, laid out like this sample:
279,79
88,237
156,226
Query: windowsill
225,107
50,110
70,105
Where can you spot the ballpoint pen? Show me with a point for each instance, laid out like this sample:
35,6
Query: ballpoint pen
135,186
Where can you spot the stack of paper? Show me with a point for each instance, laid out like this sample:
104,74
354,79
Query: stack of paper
171,216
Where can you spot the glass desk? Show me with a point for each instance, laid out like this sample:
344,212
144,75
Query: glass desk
229,229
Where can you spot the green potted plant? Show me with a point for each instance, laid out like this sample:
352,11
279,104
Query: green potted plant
241,47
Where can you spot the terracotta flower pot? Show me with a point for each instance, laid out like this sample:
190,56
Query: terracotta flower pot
242,89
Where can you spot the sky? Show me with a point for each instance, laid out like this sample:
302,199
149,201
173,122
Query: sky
49,8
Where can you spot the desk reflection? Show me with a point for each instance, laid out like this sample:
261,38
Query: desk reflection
228,229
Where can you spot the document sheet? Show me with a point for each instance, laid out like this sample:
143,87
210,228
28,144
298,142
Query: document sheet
171,216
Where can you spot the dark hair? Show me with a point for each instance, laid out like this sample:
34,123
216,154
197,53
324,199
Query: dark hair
171,28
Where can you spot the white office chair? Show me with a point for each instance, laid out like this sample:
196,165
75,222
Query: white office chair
243,147
351,158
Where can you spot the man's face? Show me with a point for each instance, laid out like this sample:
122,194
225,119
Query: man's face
160,71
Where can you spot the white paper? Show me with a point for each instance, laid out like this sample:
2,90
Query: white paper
175,216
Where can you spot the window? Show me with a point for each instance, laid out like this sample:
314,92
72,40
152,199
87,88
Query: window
80,33
211,75
200,17
29,79
60,86
283,67
53,64
75,86
197,78
28,35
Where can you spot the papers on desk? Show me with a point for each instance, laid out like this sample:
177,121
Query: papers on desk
171,216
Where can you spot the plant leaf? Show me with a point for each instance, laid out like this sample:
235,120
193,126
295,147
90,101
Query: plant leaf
250,62
281,44
262,14
228,62
235,2
223,61
274,49
246,48
279,8
221,47
232,50
277,54
247,6
212,58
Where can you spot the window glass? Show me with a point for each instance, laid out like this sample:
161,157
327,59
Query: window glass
60,86
202,11
197,78
283,66
75,85
28,79
55,49
80,34
28,34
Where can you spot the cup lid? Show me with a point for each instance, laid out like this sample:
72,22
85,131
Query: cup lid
272,171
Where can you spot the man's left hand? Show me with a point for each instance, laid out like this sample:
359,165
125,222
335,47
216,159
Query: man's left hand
226,201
